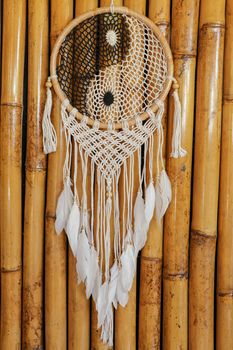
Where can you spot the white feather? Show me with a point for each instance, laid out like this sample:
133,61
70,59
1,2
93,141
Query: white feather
140,224
97,285
107,328
64,205
122,297
72,227
105,299
128,267
82,256
149,202
163,195
91,272
113,283
85,222
102,304
128,238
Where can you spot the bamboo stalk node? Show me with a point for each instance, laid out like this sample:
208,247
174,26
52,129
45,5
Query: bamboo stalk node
13,269
200,236
228,294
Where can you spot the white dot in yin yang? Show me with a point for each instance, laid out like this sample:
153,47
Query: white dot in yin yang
111,37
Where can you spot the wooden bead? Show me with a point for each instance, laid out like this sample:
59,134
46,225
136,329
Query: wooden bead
48,84
175,86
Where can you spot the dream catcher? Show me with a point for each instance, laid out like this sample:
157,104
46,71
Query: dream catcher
112,70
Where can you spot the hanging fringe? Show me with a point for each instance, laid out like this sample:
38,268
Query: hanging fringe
73,223
150,190
117,237
113,287
49,133
108,210
177,150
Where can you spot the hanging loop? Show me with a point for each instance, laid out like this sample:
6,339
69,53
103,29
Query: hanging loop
112,7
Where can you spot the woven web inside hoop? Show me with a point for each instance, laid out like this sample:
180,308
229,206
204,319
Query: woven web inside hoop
112,67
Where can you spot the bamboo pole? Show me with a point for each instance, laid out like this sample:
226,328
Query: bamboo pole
224,337
11,196
78,305
125,318
55,246
1,5
96,343
151,256
35,177
206,175
185,15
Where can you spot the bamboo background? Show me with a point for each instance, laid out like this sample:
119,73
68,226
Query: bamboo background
182,296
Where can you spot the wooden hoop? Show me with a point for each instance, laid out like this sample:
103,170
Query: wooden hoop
120,10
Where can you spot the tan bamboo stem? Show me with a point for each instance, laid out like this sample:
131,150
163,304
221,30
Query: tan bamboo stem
78,305
125,318
96,342
151,256
11,197
0,141
206,175
136,5
177,220
224,335
35,177
55,246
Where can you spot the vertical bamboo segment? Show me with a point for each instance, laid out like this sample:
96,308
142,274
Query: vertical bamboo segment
96,343
185,14
78,305
224,337
0,141
206,175
125,318
136,5
35,177
55,246
11,197
151,256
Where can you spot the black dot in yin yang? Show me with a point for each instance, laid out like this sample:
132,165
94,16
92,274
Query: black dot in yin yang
108,98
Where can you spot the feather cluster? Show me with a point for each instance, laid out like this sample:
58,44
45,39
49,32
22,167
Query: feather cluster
118,282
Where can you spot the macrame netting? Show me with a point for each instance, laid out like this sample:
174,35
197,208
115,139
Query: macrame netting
90,67
112,68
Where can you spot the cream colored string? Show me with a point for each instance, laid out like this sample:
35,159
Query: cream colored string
112,6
